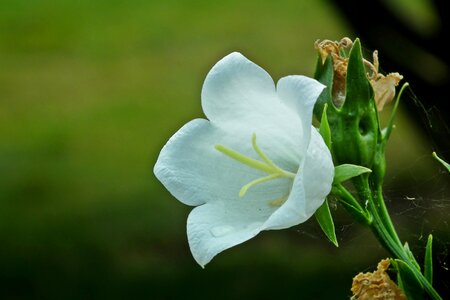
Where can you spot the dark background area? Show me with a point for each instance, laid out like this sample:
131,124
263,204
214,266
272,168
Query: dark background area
91,90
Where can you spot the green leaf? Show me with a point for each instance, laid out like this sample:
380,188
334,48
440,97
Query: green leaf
358,89
428,264
408,281
352,206
324,74
357,213
390,126
346,171
323,216
443,162
324,128
411,257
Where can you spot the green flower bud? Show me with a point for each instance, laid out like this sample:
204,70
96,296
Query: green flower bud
355,93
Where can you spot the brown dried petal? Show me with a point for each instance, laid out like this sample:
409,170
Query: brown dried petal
326,48
339,80
376,285
384,88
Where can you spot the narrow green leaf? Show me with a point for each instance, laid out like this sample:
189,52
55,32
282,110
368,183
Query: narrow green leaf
428,264
408,281
399,280
411,257
320,67
350,204
324,74
346,171
443,162
324,128
355,212
388,130
358,88
323,216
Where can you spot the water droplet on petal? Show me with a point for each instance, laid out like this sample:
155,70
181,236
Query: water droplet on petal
222,230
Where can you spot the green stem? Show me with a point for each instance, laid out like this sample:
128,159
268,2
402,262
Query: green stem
384,230
378,223
383,213
398,252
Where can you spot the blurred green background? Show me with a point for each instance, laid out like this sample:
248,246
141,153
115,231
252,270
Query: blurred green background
89,93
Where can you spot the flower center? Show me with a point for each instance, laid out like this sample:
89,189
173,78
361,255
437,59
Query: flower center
266,165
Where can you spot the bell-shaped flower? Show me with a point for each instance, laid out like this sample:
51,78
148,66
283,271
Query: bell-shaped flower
256,164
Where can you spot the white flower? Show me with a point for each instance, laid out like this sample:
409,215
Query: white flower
257,164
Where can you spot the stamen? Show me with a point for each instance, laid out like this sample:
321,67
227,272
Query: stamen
245,188
261,154
268,166
256,164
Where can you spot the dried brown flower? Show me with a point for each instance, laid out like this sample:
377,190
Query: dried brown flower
383,85
376,285
340,63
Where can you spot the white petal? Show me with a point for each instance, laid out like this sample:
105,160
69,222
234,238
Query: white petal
235,87
319,172
195,172
239,96
311,185
217,226
292,212
300,93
